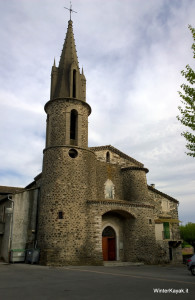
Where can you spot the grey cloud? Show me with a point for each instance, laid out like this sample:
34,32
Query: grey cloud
132,53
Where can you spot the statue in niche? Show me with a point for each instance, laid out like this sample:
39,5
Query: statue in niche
109,189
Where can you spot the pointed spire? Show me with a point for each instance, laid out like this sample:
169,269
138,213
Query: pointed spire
54,63
66,80
69,54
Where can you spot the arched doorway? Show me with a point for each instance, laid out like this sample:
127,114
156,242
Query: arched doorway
109,244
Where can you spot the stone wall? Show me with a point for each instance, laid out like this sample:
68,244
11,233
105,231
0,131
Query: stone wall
58,122
67,183
135,184
130,221
115,156
157,197
112,172
161,212
166,210
76,187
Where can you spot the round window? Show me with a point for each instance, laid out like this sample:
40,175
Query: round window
73,153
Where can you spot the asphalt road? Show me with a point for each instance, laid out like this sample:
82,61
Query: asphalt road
22,281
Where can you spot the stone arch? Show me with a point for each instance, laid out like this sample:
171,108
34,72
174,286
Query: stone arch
109,242
118,219
108,231
122,212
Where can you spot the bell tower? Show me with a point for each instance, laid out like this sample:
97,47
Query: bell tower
69,84
69,174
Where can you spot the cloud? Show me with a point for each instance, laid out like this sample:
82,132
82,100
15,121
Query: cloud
132,53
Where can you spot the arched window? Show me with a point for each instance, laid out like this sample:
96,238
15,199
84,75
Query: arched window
73,127
108,156
109,189
74,84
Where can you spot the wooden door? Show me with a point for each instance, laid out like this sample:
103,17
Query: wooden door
109,248
105,248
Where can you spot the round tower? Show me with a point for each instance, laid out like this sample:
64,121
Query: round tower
135,184
68,176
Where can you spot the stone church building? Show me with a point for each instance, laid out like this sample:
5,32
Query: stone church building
89,204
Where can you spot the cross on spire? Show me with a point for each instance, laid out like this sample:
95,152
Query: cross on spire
70,9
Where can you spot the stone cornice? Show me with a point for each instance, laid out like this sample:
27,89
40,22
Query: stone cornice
69,147
135,168
118,202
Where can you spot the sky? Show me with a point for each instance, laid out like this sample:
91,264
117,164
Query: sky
132,53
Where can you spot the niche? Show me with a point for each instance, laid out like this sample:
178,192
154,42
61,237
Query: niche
109,189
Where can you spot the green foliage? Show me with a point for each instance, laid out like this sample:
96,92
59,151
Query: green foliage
188,233
187,117
185,245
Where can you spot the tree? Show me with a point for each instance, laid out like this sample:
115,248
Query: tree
187,117
188,233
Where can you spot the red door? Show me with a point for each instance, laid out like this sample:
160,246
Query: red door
105,248
109,248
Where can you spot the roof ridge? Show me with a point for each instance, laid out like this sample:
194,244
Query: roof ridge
13,187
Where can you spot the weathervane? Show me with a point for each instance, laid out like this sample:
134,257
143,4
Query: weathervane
70,9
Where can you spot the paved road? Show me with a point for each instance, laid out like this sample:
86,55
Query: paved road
31,282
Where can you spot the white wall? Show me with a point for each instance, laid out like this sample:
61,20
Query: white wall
159,232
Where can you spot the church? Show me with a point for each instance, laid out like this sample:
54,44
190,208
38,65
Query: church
90,204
